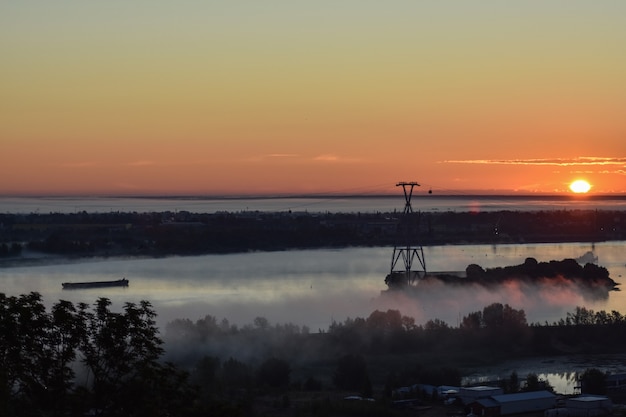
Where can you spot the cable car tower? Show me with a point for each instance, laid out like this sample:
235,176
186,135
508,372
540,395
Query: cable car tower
407,250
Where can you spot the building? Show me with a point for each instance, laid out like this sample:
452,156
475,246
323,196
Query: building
470,394
484,407
518,403
588,406
525,402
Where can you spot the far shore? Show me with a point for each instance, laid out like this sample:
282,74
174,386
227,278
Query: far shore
40,239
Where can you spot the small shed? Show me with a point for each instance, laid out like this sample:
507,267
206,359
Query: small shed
589,406
525,402
471,394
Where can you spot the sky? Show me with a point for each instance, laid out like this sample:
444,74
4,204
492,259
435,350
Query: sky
305,97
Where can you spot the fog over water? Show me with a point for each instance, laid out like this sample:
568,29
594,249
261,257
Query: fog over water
315,287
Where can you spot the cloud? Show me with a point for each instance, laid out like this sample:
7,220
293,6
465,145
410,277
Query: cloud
617,171
579,161
322,158
282,155
332,158
326,158
271,156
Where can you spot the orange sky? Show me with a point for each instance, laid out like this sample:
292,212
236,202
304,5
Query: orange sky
156,97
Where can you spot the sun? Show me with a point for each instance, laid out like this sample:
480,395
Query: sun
580,186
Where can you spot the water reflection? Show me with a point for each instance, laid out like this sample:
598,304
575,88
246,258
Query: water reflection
316,287
313,287
562,373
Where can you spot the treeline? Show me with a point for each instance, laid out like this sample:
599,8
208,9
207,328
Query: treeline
394,349
116,233
498,328
591,280
13,249
78,359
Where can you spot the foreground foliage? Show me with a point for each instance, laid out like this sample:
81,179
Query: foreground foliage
76,359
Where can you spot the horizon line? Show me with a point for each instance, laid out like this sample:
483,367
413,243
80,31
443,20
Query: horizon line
233,196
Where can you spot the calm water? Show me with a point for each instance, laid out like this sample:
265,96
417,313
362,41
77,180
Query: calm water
316,287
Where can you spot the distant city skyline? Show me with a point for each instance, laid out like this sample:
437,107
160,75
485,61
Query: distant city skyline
296,98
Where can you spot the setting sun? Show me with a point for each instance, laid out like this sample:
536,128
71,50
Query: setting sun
580,186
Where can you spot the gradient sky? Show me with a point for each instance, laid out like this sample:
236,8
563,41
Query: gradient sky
236,97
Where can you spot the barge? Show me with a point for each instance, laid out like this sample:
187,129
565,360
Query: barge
95,284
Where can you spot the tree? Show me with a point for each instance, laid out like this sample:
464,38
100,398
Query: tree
261,323
498,316
120,350
236,374
474,272
23,324
385,321
274,373
434,325
581,317
36,352
493,316
513,383
473,321
593,381
532,383
205,372
351,374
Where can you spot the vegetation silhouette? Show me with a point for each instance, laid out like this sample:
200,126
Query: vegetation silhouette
118,353
77,359
591,280
84,234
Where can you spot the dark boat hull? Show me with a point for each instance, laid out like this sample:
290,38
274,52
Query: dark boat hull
95,284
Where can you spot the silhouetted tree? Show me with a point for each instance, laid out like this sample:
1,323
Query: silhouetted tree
236,374
532,383
312,384
205,375
120,348
351,374
274,373
120,351
473,321
261,323
436,325
474,271
593,381
513,382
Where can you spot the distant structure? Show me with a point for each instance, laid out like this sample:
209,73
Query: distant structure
407,249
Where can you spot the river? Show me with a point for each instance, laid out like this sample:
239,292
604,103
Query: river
316,287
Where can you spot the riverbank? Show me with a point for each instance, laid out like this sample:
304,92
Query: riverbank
89,235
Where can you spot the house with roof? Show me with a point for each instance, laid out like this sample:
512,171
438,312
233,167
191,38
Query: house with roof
468,395
589,406
507,404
